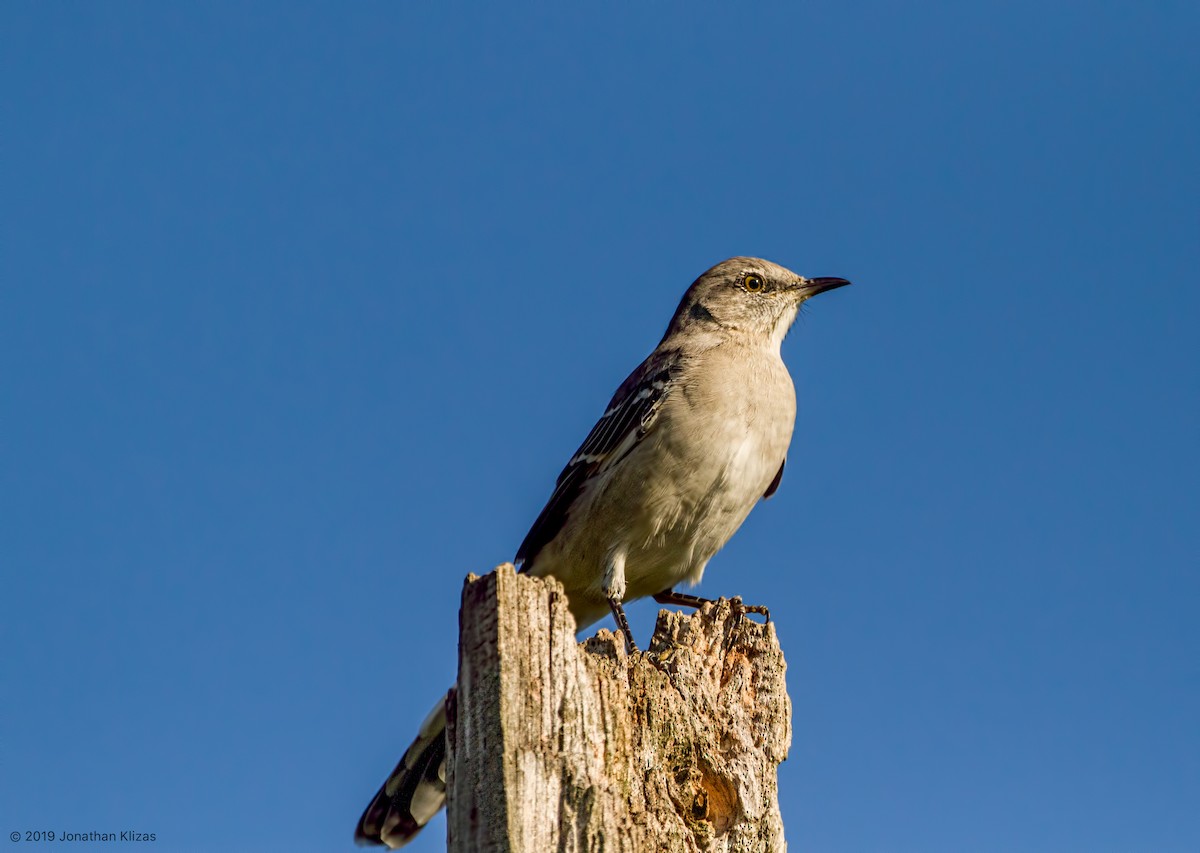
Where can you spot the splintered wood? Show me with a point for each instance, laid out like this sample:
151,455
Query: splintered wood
574,747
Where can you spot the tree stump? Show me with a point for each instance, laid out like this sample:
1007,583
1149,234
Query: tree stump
555,745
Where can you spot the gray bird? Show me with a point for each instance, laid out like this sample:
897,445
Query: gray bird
688,445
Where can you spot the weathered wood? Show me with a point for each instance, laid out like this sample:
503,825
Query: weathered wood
556,745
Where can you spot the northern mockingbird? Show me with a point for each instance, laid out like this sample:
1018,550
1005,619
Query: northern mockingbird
688,445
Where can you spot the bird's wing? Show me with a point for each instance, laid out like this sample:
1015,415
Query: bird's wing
774,487
629,417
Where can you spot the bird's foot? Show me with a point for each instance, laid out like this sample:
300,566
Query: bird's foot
662,660
741,608
659,660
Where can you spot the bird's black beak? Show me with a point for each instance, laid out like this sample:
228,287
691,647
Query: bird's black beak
813,286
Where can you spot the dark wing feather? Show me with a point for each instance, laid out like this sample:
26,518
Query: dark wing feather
629,416
774,487
554,515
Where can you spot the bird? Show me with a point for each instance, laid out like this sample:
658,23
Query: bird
690,442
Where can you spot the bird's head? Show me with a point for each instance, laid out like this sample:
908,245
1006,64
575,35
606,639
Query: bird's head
746,296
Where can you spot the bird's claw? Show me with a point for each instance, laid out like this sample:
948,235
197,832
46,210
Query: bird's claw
660,660
740,608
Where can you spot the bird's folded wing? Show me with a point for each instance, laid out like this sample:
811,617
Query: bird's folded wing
630,416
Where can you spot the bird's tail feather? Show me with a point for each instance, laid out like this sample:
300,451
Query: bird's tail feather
414,792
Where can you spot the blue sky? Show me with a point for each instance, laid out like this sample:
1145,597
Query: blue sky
305,306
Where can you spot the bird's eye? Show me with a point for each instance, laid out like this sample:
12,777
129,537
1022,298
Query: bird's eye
753,283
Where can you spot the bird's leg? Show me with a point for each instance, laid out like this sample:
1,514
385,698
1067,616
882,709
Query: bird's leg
623,624
682,599
614,590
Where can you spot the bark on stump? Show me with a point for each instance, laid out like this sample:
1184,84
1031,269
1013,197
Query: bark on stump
555,745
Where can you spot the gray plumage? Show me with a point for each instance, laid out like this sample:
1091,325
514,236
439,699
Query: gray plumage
690,442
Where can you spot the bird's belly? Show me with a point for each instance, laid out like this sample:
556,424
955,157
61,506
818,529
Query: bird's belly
668,527
689,514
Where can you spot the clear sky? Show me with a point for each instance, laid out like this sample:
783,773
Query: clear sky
304,306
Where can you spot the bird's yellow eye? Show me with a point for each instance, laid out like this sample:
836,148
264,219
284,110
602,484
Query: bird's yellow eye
753,283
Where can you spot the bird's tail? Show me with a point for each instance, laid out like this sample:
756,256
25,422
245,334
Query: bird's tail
415,790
